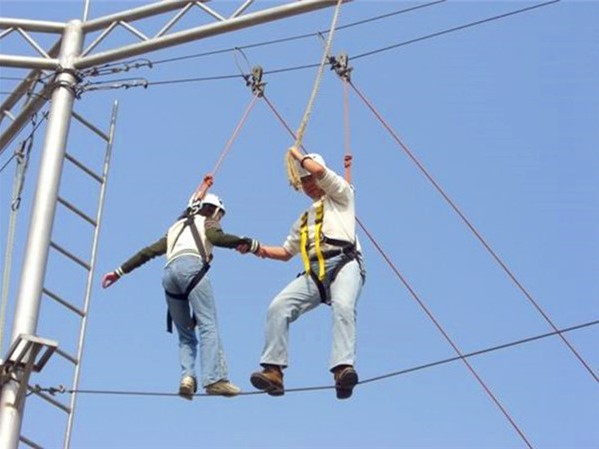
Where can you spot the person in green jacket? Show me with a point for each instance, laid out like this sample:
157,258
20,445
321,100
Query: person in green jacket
188,246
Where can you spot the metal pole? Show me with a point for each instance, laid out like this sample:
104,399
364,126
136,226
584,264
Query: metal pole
42,26
40,225
85,10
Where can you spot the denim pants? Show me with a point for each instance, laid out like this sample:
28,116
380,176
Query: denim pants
177,276
300,296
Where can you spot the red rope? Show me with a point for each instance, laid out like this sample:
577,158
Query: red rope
473,229
283,122
347,159
445,335
426,310
209,178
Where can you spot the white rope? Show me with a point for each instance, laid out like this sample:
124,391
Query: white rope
299,135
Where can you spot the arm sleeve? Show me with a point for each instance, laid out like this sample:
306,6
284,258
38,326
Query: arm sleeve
292,243
217,237
337,188
158,248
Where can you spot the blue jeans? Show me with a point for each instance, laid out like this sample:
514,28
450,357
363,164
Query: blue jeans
300,296
177,276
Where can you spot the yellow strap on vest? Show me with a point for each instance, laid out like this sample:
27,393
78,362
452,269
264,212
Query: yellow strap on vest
304,242
317,237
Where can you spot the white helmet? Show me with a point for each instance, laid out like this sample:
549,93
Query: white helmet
195,204
215,201
302,172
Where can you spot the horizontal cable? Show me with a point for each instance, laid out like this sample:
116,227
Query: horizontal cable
54,390
359,56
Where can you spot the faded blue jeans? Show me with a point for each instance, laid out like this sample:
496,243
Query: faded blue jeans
177,276
300,296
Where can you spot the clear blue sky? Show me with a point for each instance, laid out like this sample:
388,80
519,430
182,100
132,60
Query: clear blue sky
503,115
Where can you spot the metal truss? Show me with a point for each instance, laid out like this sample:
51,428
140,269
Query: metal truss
59,72
247,14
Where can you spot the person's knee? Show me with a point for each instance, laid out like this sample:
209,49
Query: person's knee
275,309
188,338
344,309
280,310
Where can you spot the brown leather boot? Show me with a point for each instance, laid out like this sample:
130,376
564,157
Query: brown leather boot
270,380
346,379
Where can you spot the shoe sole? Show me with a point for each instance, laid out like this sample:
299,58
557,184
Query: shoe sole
266,385
345,385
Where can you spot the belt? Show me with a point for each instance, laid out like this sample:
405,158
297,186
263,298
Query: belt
333,253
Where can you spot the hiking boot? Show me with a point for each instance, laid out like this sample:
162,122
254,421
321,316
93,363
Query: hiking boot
188,387
223,388
270,380
346,379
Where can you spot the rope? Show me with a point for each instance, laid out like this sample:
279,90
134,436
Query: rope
22,158
299,135
347,159
442,331
445,335
208,180
472,228
513,343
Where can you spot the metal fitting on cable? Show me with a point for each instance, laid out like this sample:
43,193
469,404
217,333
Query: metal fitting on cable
254,81
341,66
73,87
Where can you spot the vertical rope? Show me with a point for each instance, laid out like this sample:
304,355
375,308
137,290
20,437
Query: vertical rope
22,157
299,135
347,159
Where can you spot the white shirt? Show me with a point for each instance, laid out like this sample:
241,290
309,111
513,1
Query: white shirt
339,220
185,243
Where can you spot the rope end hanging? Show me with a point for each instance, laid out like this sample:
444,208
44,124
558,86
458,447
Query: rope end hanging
292,173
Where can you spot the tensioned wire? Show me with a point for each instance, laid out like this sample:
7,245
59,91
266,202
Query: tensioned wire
412,369
353,57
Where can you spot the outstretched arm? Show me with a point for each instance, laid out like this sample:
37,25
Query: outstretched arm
156,249
218,237
274,252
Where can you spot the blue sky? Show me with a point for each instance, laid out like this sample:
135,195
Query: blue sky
503,115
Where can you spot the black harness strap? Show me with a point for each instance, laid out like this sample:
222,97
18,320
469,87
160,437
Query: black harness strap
189,221
349,252
185,296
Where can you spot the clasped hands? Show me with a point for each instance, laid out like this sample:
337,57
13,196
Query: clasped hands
250,245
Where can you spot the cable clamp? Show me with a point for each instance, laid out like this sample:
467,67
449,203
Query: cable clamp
254,81
341,66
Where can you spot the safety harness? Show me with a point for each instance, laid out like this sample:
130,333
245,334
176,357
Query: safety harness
189,221
346,249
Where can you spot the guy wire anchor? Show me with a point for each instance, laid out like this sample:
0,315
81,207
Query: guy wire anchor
341,66
254,81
